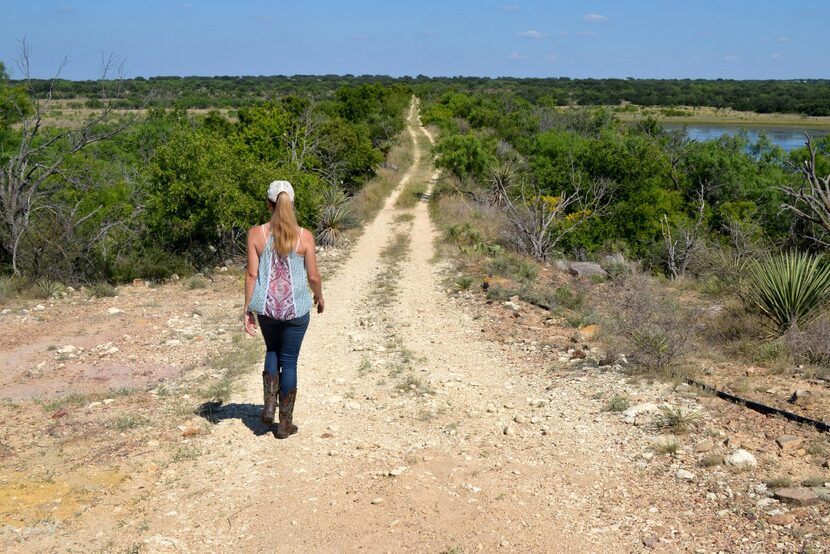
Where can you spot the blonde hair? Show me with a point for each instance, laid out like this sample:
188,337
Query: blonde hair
284,225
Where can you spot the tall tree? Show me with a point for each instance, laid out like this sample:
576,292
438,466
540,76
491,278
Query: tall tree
32,161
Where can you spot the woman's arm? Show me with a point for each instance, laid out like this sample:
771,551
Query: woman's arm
314,280
250,281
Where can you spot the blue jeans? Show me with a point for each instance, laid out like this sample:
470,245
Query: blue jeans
282,347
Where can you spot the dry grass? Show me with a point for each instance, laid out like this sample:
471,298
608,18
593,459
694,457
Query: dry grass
778,482
449,209
679,420
404,218
232,364
392,256
419,183
811,345
667,446
411,194
652,325
196,282
368,201
410,383
711,460
72,112
691,115
815,480
619,403
11,287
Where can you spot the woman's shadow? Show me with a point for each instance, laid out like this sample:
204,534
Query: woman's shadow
214,412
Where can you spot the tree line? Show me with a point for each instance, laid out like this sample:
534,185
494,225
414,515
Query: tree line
582,182
146,194
798,96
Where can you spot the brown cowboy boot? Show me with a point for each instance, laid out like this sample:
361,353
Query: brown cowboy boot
270,388
286,428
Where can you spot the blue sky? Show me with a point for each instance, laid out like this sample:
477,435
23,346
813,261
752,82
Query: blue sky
742,39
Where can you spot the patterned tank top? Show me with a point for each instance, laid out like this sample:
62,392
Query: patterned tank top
281,290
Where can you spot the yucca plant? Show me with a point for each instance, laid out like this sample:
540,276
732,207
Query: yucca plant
47,288
678,419
334,216
787,289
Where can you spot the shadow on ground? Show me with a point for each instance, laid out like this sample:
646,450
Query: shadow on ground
214,412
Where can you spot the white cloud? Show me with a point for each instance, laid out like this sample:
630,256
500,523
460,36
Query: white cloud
595,18
551,57
511,8
186,5
731,59
532,33
516,56
430,33
783,39
267,19
777,57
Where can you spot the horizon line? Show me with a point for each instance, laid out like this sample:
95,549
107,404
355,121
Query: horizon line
423,77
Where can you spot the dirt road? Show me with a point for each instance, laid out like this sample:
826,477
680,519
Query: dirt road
402,411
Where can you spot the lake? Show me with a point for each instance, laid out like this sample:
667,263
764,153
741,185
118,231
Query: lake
788,138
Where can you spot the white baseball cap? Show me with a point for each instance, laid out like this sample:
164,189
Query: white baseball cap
276,187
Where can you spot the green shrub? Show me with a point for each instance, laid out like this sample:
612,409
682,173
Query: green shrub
570,299
501,264
496,292
679,420
770,351
150,263
10,287
527,272
657,331
788,290
196,282
619,403
103,290
464,282
464,235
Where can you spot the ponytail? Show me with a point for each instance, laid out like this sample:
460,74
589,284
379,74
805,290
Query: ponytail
284,225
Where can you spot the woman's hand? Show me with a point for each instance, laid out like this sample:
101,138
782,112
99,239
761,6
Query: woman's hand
250,323
321,304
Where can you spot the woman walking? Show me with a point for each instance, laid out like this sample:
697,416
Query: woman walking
282,267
